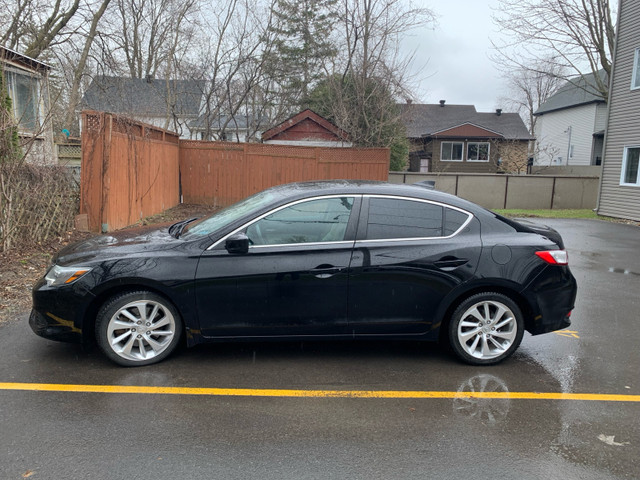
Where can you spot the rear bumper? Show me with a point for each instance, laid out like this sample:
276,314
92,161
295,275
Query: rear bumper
552,296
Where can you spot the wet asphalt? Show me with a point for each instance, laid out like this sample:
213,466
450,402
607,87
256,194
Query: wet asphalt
66,435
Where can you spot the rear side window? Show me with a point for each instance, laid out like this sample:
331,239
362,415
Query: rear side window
391,218
394,218
454,219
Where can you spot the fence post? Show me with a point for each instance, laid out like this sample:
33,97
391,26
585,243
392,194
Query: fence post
106,154
553,192
506,190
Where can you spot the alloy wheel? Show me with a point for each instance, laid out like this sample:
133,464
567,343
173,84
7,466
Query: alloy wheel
141,330
487,329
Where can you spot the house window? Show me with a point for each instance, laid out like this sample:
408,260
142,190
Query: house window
24,90
630,166
451,151
477,152
635,79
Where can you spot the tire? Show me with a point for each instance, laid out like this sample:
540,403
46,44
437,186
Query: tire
138,328
486,328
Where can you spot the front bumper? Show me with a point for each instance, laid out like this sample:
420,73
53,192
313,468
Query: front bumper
54,328
57,312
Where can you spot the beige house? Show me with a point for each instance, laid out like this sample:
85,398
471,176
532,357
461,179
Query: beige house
27,82
620,182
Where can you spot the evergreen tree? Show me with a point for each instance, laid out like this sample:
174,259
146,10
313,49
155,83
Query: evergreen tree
302,46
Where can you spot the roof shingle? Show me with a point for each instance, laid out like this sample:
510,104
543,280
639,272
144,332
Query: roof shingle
577,91
427,119
153,98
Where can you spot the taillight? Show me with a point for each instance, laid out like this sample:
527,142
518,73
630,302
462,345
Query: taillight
554,257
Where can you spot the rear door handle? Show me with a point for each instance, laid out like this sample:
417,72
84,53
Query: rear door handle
450,263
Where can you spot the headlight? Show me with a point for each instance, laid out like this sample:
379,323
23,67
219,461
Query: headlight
58,275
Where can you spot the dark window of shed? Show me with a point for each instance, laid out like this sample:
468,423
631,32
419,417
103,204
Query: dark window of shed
395,218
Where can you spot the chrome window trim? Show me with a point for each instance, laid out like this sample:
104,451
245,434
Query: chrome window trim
280,245
418,239
251,222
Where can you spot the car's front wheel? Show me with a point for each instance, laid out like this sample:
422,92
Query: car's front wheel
138,328
486,328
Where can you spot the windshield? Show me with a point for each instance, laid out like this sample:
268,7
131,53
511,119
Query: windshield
227,215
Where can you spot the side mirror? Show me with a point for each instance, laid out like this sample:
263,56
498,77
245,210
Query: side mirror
237,243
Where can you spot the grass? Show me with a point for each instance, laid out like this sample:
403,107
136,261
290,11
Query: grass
572,213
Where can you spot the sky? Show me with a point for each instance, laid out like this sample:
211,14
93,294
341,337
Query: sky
455,55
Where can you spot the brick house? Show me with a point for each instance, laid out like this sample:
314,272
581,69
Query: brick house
457,138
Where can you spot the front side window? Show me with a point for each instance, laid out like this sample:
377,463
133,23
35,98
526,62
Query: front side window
478,152
451,151
635,79
24,91
313,221
630,164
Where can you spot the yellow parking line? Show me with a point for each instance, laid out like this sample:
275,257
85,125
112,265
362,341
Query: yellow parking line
252,392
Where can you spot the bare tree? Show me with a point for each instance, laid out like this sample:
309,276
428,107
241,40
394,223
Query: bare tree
371,76
147,34
81,65
35,25
578,35
530,87
233,64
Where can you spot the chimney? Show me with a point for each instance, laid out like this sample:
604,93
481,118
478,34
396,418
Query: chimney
149,78
498,111
442,103
409,101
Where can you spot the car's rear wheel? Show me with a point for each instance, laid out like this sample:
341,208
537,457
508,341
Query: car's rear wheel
138,328
486,328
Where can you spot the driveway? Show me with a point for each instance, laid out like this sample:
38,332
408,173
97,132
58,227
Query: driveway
565,406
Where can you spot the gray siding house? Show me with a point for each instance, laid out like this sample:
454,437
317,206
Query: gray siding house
570,124
620,182
165,103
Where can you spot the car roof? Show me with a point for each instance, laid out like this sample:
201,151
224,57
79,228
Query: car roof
362,187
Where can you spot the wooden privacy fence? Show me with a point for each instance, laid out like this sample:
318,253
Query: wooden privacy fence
132,170
222,173
129,170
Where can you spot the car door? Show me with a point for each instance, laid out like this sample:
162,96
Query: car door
409,254
293,279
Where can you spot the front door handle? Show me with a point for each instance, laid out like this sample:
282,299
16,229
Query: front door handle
325,270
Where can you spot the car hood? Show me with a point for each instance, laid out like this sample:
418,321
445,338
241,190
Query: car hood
133,241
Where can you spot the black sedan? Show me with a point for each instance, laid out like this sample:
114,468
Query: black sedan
332,260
